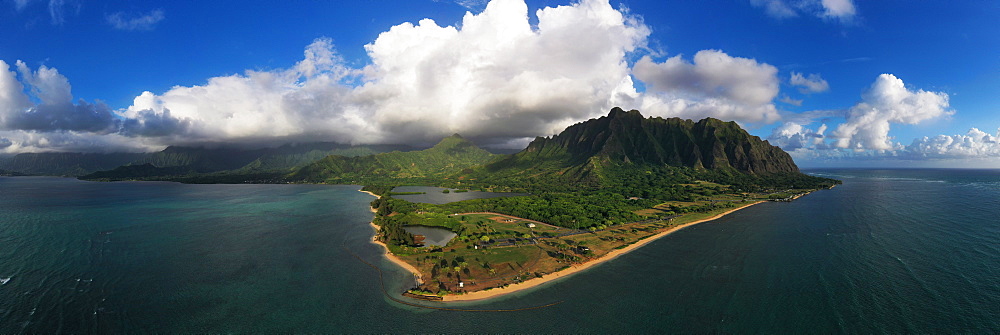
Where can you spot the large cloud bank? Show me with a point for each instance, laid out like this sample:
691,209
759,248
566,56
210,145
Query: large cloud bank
496,78
715,84
973,144
493,77
867,125
887,101
37,114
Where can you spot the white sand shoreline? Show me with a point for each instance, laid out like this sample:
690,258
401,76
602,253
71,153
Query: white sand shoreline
534,282
416,273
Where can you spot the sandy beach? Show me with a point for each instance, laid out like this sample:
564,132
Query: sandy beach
479,295
416,273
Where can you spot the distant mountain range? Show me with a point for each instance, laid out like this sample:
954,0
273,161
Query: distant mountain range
65,163
188,160
450,156
595,153
598,153
5,173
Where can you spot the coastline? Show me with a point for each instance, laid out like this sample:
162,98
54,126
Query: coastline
392,258
530,283
538,281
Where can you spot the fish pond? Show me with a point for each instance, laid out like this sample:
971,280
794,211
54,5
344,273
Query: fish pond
433,236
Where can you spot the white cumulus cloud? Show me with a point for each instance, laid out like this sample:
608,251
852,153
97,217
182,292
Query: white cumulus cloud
305,99
888,101
55,110
494,78
973,144
792,136
12,97
37,114
714,84
813,83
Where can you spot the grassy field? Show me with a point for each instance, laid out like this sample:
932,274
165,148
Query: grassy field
461,267
475,260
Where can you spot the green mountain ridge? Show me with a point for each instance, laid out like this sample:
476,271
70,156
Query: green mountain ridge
598,152
623,151
450,156
65,163
189,160
208,160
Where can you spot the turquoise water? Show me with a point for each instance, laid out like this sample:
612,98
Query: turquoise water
890,251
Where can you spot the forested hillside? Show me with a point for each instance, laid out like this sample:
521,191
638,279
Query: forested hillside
452,155
626,150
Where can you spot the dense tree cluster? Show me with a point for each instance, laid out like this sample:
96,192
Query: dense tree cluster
572,210
770,182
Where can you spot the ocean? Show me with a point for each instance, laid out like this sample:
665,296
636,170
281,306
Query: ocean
889,251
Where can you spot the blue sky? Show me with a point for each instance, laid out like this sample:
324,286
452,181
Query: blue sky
835,82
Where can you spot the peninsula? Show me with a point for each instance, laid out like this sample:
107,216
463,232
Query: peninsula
599,189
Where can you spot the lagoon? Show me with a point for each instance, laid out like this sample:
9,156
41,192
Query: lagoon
432,235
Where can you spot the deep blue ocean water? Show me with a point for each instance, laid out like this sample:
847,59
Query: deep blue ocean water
890,251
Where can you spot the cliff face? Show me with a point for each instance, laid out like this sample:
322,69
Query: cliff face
626,137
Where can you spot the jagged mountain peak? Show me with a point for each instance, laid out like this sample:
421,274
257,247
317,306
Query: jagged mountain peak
455,143
618,112
626,137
